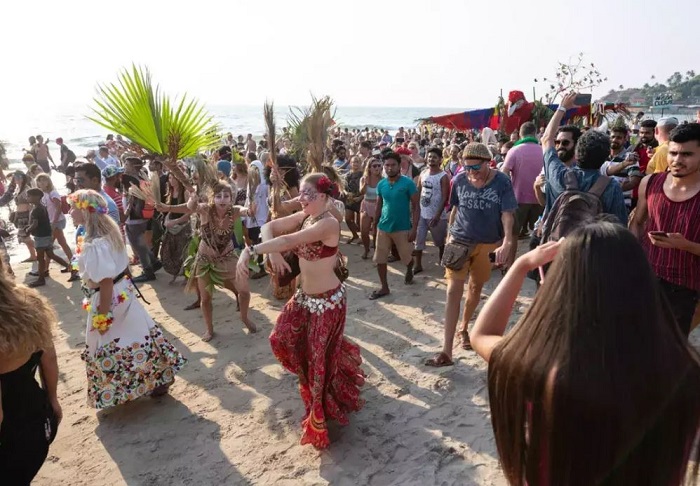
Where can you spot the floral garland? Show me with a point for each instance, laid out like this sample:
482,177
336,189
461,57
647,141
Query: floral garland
85,205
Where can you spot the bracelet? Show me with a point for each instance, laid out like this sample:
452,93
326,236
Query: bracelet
102,322
562,109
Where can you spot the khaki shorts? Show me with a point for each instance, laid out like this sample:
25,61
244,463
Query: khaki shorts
384,242
478,266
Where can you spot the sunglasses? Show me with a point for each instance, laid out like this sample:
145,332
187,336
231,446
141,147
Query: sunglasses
474,167
563,143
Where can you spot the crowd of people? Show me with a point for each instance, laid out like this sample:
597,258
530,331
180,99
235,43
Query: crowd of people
596,378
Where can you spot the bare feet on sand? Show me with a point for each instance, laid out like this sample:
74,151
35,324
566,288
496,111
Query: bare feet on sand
207,336
250,326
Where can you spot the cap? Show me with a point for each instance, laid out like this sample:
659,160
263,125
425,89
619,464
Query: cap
476,150
224,166
668,121
111,171
403,151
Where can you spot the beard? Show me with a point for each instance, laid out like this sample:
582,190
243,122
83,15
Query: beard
565,155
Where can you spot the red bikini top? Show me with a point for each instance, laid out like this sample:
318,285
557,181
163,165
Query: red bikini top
314,251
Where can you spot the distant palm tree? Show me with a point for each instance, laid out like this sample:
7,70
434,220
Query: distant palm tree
621,87
689,75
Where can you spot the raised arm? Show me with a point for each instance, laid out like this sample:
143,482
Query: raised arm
550,132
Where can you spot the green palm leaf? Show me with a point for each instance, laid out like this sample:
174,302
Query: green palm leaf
136,109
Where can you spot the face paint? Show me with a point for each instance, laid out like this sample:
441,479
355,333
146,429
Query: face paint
222,198
308,194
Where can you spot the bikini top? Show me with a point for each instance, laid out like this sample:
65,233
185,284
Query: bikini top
314,251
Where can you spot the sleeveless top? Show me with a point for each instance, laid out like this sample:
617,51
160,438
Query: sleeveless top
314,251
218,239
370,193
675,266
431,195
22,397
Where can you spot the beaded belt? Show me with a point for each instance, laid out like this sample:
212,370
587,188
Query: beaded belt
319,303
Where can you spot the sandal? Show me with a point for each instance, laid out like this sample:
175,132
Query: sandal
464,338
377,294
439,360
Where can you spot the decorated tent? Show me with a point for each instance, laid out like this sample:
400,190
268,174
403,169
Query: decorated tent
516,112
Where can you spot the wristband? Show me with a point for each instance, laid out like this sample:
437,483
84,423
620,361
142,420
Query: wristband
253,253
562,109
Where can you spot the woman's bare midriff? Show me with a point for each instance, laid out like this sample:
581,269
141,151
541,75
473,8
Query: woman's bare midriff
319,276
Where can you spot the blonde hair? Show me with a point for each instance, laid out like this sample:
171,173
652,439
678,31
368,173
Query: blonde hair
46,179
98,224
27,318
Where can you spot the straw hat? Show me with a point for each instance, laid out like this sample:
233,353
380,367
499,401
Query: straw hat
476,150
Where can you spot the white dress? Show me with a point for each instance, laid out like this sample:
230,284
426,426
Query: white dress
132,357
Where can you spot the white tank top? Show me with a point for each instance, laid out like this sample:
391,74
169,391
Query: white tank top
431,195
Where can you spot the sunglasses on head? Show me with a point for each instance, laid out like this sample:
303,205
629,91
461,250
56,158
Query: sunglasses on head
563,143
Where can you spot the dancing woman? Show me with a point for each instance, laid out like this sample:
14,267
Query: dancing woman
29,412
178,230
126,354
215,261
17,192
308,338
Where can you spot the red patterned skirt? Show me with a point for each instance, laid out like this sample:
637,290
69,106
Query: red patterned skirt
308,341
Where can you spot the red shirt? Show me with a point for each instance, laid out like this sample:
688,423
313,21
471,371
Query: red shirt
116,195
676,266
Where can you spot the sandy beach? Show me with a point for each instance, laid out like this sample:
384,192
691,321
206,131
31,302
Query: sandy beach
233,415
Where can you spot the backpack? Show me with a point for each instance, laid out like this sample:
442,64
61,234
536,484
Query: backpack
573,207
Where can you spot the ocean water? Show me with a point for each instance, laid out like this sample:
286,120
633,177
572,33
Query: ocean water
81,134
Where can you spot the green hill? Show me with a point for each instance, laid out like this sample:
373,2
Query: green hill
684,90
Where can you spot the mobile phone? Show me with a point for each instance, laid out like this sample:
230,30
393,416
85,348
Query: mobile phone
583,99
661,234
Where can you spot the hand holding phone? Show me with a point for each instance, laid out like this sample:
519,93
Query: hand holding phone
659,234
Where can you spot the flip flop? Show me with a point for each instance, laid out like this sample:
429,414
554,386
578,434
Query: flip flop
376,294
439,360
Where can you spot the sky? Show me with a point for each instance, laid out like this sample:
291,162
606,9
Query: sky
406,53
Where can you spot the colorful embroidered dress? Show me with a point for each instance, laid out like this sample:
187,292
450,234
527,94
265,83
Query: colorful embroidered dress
308,340
133,357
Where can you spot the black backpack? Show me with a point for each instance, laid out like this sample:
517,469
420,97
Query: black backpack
573,207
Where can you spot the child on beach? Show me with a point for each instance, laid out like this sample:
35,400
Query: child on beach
40,229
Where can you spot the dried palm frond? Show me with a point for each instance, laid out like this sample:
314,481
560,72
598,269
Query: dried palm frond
139,193
309,129
269,115
155,186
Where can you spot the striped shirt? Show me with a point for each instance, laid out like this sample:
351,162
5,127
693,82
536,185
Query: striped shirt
676,266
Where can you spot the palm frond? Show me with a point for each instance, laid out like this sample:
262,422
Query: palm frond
269,115
136,109
309,132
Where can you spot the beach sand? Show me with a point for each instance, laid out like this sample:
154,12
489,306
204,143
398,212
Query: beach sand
233,415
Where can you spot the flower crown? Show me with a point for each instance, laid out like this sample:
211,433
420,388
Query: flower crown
85,205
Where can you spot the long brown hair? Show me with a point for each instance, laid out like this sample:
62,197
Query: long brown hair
27,318
596,385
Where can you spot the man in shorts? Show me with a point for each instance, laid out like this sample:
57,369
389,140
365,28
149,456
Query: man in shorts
482,214
397,213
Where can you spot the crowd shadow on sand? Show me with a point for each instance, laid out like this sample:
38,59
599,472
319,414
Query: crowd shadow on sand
156,456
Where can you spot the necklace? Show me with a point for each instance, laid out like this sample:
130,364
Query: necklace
312,221
220,226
